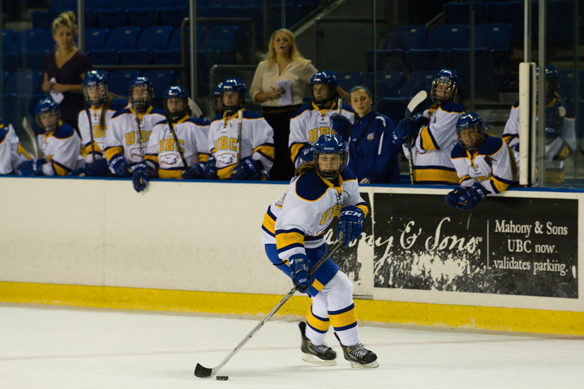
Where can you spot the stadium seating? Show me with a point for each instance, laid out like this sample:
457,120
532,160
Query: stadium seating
110,18
497,40
393,107
10,62
411,86
122,38
28,40
161,79
104,56
24,82
34,60
11,110
388,83
510,13
61,5
134,57
426,77
348,80
95,38
98,4
559,25
7,39
447,37
426,59
566,85
142,17
393,59
119,82
172,16
210,11
459,13
484,77
44,19
220,41
5,77
126,4
407,37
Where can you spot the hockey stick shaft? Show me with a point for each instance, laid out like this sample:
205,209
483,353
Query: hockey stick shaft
90,128
204,372
176,142
138,134
239,129
412,105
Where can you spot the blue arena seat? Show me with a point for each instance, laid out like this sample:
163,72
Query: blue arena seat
95,38
98,4
411,86
393,107
126,4
28,40
162,3
44,19
393,59
166,57
110,18
221,41
510,12
185,3
407,37
496,38
122,38
154,38
449,36
227,3
7,39
142,17
426,76
388,83
24,82
134,57
10,61
210,11
172,16
244,35
90,19
119,82
48,42
63,5
104,57
566,85
161,79
559,26
348,80
426,59
484,75
11,110
34,60
459,13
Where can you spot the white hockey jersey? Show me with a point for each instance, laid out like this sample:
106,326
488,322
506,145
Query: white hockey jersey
11,152
257,141
299,218
61,150
122,135
555,152
164,156
99,134
309,123
491,165
432,163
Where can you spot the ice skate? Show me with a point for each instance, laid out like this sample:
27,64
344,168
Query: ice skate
359,356
322,354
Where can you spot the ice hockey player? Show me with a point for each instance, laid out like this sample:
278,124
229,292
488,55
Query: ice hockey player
483,163
257,139
59,143
94,122
316,119
164,157
560,132
217,100
125,144
11,152
293,233
434,133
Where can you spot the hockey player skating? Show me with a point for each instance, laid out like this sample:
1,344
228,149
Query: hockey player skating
94,122
293,235
126,142
11,152
251,139
59,143
560,132
483,163
316,119
434,133
176,149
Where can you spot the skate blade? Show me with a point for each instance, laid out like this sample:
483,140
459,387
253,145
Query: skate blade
312,359
371,365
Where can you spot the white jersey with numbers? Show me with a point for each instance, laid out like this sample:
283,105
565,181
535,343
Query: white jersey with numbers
164,156
11,152
122,135
309,123
61,151
99,133
257,141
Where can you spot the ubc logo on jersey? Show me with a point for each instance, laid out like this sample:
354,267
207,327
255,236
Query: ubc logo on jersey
135,154
315,133
168,159
225,159
331,213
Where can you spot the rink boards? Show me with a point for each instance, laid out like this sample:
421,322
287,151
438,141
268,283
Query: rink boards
510,264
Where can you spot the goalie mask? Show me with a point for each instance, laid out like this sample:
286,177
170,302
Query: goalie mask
445,86
324,95
141,93
47,114
470,131
176,103
330,156
233,95
95,88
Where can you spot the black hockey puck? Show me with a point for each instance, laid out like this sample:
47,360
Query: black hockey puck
222,378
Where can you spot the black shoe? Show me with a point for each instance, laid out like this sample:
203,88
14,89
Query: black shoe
359,356
322,354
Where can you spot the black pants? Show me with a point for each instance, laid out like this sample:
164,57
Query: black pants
279,119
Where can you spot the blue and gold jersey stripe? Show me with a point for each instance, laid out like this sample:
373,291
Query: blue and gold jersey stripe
288,239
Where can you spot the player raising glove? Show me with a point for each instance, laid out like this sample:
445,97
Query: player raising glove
341,125
195,171
248,169
142,174
299,272
350,224
404,129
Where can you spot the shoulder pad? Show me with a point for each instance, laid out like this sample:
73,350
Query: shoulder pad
158,111
491,145
452,107
117,104
121,112
516,105
4,129
348,174
347,107
458,151
299,111
251,115
218,117
310,186
199,122
64,132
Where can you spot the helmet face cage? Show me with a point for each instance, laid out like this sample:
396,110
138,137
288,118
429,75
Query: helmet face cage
48,108
234,85
448,80
145,100
176,92
95,88
330,145
467,122
328,78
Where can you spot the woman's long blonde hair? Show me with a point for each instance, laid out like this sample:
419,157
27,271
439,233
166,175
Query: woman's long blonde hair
294,53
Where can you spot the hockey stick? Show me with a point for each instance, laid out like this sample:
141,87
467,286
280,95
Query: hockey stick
340,106
204,372
239,128
412,105
138,134
90,128
180,151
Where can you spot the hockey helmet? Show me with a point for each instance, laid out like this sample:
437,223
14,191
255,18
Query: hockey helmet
217,101
330,145
234,85
324,77
47,114
552,81
95,88
176,92
144,100
470,121
445,86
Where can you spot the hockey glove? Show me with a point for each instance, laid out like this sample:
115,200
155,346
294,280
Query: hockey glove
31,168
421,121
350,223
451,199
299,272
211,169
142,174
195,171
404,129
97,168
471,198
119,166
341,125
306,154
248,169
553,121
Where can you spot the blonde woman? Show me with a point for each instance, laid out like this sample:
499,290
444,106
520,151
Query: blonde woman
285,73
65,69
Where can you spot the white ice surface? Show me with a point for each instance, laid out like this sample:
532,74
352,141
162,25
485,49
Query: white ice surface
45,347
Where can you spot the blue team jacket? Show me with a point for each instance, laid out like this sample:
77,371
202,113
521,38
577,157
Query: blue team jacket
374,155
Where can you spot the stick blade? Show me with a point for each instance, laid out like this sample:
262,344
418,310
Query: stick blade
415,101
203,372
